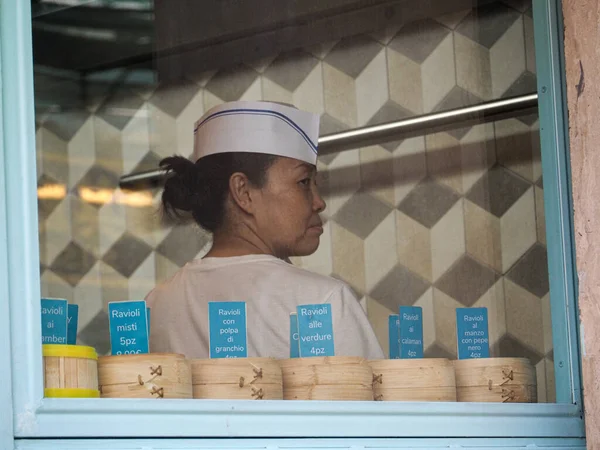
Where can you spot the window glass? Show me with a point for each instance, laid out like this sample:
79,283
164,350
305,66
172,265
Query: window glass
437,219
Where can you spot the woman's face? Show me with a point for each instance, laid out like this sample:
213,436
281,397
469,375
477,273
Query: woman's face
288,207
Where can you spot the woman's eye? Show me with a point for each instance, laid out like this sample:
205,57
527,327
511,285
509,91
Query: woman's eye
305,182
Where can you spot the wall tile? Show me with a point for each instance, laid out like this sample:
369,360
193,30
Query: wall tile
172,99
404,77
348,257
488,23
81,152
254,92
445,321
115,286
230,84
361,214
96,333
409,166
515,147
143,280
451,20
185,124
290,69
275,93
478,148
377,173
509,47
398,288
353,54
163,132
414,246
111,225
483,236
164,267
531,272
497,191
524,316
428,202
438,74
54,155
108,146
518,228
309,94
340,95
380,256
58,230
494,301
54,286
378,317
390,112
473,71
135,139
418,40
85,226
467,281
343,179
371,89
88,295
447,240
529,44
540,370
126,254
444,160
72,263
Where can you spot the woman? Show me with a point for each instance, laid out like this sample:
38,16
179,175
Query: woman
253,187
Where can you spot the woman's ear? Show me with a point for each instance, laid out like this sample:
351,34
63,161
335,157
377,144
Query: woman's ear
240,190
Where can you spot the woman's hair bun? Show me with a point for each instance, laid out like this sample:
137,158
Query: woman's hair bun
180,186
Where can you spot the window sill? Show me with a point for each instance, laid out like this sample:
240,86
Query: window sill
119,418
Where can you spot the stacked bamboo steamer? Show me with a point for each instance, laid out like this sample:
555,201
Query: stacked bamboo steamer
428,380
327,378
507,380
151,375
70,371
237,378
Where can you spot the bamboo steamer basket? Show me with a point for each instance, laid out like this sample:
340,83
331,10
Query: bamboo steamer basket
70,371
151,375
506,380
237,378
419,380
327,378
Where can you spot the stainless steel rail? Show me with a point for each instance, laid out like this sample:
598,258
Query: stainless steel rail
391,131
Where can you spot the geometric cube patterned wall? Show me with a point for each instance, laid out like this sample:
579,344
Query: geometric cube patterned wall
440,221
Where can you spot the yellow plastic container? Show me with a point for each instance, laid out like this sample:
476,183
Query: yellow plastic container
70,371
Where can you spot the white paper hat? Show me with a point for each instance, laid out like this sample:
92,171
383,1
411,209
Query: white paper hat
258,127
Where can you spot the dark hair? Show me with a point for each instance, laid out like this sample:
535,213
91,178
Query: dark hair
201,188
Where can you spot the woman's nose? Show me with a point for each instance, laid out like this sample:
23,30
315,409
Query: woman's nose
319,204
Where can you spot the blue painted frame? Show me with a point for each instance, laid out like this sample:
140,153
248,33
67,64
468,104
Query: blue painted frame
6,412
37,417
548,30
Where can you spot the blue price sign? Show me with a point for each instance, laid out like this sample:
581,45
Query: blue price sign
394,336
411,332
128,327
227,324
472,333
294,340
54,321
72,318
315,329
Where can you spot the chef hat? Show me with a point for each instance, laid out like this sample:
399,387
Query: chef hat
258,127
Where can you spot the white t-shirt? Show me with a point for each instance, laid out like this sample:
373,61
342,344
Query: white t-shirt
271,289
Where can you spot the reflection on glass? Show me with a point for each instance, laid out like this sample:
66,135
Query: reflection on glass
441,221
